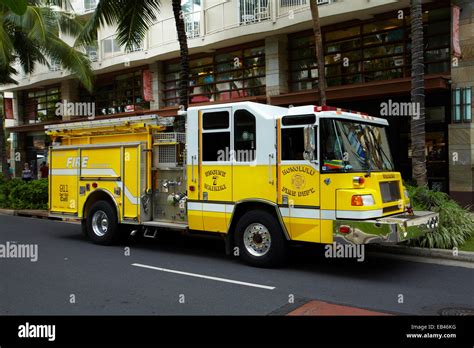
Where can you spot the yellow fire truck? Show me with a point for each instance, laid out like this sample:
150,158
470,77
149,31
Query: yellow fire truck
260,176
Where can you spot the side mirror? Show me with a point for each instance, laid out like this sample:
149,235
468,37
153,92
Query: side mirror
309,143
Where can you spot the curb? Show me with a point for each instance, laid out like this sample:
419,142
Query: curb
447,254
41,214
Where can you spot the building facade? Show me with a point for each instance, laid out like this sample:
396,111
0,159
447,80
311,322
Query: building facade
263,51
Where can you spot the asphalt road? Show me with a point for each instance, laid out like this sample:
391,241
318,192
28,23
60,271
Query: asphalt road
192,276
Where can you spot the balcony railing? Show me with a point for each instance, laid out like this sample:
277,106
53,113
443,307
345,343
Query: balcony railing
164,31
215,18
111,48
232,14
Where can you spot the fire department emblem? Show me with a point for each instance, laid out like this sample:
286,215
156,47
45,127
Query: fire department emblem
298,181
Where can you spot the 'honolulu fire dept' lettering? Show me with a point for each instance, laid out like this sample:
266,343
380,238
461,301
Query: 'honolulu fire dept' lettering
299,169
294,193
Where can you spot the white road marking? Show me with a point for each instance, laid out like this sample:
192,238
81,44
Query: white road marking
205,277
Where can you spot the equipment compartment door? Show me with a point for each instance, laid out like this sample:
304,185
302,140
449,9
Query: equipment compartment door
63,183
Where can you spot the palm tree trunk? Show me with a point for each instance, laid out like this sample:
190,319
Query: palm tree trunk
184,54
319,51
418,95
3,151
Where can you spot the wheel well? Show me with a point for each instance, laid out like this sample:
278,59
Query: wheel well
240,209
98,195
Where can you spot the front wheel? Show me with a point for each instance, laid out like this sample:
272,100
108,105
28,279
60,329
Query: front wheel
102,224
260,239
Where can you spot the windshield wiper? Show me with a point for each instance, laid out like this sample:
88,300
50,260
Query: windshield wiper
368,161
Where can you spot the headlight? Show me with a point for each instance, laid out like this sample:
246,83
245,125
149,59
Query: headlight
368,200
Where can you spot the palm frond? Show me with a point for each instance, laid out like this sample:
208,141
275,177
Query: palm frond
69,58
136,18
107,12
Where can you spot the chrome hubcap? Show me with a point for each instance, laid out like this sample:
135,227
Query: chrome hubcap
257,239
100,223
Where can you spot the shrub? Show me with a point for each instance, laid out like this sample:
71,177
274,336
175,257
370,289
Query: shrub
455,223
17,194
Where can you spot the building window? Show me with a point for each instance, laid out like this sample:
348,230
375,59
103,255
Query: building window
117,94
225,75
41,104
378,49
467,103
462,105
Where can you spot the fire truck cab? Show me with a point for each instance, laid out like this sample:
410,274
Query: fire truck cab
260,176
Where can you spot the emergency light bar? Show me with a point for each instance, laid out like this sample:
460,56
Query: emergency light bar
332,108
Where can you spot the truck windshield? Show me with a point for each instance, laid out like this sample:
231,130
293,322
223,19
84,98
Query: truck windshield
348,146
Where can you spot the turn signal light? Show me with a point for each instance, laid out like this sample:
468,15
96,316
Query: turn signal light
357,201
192,188
94,185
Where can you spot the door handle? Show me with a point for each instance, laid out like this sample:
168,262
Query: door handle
192,169
270,172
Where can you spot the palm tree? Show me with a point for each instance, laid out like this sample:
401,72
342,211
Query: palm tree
184,55
31,36
319,51
133,18
417,124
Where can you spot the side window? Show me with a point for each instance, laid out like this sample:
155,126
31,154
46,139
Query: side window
245,140
292,144
215,136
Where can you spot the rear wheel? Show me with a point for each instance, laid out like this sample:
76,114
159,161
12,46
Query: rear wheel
260,239
102,225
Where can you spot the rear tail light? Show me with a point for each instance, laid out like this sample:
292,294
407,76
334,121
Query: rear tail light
345,229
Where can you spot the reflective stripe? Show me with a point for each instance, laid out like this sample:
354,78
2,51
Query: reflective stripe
301,213
211,207
74,172
368,214
134,200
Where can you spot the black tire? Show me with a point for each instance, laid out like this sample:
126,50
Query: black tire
276,250
103,236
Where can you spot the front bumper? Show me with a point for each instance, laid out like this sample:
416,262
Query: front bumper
390,229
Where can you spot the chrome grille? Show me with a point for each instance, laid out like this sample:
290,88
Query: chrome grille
390,191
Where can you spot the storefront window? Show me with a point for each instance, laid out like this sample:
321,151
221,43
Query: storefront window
117,94
222,76
41,104
378,49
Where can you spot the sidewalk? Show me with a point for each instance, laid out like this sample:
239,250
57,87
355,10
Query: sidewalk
463,256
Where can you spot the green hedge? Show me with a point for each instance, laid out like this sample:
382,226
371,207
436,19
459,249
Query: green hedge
455,226
17,194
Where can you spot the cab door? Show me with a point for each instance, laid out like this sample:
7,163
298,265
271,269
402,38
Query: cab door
215,167
298,178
